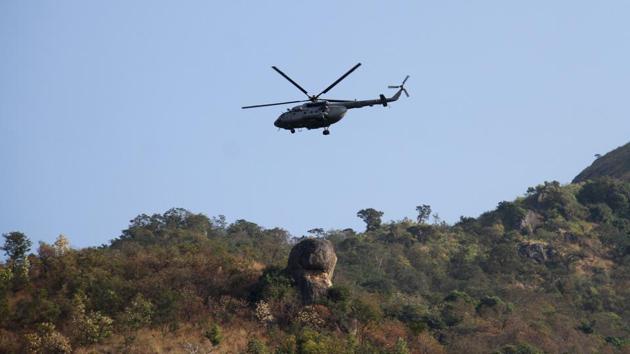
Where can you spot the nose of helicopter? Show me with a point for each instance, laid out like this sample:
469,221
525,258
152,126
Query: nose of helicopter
277,123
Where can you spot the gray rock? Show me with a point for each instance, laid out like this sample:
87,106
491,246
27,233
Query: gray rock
536,251
311,264
531,222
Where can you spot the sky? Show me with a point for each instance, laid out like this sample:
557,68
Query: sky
112,109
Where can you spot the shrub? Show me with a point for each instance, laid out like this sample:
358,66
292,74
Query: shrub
522,348
488,301
263,312
273,284
255,346
214,334
309,317
586,327
552,200
47,340
401,347
511,215
339,294
137,314
456,295
600,213
606,190
617,341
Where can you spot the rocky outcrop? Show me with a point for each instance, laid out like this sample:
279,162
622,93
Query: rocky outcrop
537,251
311,265
530,222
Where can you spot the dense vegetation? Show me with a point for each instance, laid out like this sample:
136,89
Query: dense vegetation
548,272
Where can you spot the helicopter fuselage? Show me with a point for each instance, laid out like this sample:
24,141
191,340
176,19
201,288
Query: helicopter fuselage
321,112
311,116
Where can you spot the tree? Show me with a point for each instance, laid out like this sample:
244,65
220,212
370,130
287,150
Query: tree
88,327
47,340
316,232
5,284
16,246
424,211
61,245
371,217
135,316
511,215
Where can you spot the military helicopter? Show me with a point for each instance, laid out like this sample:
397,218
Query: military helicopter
323,112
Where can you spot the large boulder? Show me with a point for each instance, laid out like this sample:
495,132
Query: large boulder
311,265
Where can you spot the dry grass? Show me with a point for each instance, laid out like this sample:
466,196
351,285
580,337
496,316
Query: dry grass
187,339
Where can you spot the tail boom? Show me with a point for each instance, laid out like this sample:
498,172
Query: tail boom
382,100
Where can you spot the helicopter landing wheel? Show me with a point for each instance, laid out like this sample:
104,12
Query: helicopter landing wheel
326,132
292,131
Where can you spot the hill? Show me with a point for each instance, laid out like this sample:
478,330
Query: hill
614,164
547,272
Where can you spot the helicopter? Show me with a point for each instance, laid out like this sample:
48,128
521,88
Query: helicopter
323,112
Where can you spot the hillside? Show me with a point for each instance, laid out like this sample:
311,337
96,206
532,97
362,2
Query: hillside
547,272
614,164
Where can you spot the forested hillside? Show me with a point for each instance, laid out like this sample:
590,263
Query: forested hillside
547,272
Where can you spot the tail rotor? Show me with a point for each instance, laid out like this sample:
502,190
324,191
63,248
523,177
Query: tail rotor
401,86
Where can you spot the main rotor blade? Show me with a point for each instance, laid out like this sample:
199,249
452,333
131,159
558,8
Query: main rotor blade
290,80
273,104
331,100
339,80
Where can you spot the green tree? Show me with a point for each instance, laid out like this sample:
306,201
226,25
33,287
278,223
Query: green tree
424,211
371,217
135,316
614,193
16,246
214,334
316,232
511,215
88,327
256,346
47,340
401,347
6,275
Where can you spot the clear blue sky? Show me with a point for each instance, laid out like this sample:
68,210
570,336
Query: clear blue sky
114,108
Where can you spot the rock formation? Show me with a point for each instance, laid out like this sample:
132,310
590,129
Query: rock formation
530,222
311,265
537,251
